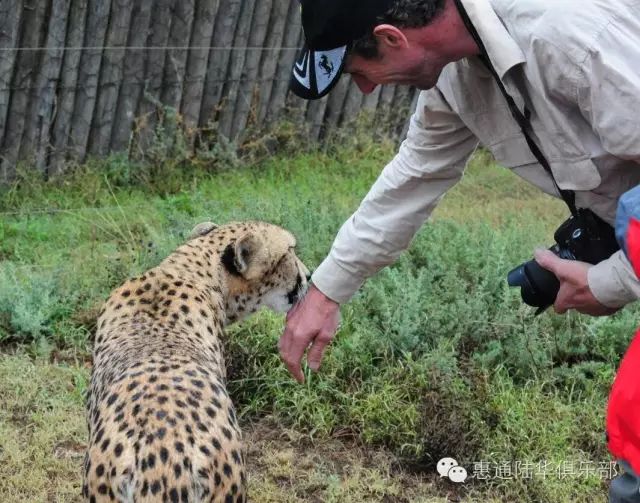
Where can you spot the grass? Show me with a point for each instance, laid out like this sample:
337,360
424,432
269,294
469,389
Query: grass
42,428
436,356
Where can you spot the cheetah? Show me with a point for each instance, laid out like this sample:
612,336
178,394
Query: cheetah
162,426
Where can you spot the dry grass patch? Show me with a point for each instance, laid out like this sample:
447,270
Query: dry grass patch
43,432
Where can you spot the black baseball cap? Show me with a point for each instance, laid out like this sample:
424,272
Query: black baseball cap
330,27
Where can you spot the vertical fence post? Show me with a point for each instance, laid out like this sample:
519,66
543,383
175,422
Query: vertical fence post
201,37
176,60
132,80
39,130
286,58
401,105
249,83
89,76
155,57
236,66
295,107
25,78
383,112
221,53
10,20
35,66
110,78
269,64
352,102
335,102
412,109
68,84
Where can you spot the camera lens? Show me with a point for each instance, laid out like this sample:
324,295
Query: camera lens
538,287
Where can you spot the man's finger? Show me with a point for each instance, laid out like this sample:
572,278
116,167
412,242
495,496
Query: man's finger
549,261
295,370
285,342
293,361
559,304
291,351
560,307
316,352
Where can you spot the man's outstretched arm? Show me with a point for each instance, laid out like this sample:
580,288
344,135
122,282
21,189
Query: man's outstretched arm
430,161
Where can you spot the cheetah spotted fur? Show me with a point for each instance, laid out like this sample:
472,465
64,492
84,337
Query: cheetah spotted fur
162,426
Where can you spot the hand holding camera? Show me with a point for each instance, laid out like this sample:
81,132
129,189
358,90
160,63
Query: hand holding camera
558,276
574,292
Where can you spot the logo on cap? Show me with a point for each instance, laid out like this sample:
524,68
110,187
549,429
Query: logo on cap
301,71
328,64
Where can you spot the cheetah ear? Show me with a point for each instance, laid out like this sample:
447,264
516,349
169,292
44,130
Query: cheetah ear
201,229
245,257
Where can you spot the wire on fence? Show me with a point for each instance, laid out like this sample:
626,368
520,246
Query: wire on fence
148,48
54,211
163,85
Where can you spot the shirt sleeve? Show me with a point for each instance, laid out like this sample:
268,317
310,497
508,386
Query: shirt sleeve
613,282
609,98
609,88
430,161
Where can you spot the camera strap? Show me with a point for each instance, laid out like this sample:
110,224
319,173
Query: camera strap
568,196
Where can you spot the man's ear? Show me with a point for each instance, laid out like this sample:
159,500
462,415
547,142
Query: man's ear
244,257
390,36
201,229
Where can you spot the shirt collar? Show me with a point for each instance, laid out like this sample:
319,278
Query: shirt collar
502,50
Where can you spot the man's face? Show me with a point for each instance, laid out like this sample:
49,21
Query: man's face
410,65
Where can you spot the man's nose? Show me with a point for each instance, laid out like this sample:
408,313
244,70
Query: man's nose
363,83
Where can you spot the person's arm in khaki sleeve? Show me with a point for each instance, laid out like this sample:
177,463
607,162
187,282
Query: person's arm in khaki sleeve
610,99
430,161
608,96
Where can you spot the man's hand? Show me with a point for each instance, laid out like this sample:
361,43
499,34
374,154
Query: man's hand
314,320
574,288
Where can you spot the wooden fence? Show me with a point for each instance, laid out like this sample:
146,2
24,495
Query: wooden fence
79,77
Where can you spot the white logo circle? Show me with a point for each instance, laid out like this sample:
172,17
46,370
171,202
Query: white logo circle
457,474
444,465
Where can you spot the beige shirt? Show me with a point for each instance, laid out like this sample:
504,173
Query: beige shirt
575,64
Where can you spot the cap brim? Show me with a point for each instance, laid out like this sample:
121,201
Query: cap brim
315,73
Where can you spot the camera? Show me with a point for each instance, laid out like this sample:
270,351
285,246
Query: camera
585,237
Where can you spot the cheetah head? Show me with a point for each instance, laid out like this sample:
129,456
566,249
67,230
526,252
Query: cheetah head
259,265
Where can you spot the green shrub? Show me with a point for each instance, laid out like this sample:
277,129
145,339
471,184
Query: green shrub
29,305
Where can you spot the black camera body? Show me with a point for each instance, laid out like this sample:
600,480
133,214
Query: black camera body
584,237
